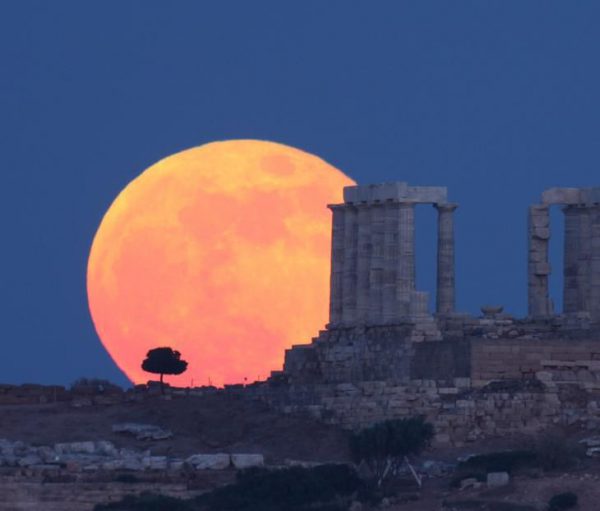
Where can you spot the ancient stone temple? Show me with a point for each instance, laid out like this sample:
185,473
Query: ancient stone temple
384,355
581,207
373,255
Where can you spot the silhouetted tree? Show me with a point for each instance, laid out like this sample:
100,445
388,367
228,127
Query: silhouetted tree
164,361
386,445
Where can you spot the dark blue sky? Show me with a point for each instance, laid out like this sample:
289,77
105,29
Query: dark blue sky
497,100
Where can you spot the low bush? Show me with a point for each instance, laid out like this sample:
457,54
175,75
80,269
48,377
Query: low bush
126,478
147,502
94,386
386,445
502,461
554,451
325,487
562,501
321,488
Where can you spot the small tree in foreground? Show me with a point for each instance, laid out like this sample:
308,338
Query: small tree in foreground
386,445
164,361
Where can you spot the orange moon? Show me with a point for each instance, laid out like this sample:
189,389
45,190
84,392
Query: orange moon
221,252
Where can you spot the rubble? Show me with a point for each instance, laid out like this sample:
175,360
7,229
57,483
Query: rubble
142,431
91,456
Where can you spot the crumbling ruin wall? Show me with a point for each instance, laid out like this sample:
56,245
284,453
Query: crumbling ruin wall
494,360
482,377
459,411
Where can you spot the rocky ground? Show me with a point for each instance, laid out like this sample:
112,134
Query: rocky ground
68,457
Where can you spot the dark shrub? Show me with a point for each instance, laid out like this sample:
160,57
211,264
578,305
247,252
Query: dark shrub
384,445
554,451
502,461
126,478
93,386
322,488
293,488
562,501
146,502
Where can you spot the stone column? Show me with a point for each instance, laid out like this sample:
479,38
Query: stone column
363,262
584,266
594,277
445,296
376,261
337,265
571,295
390,304
538,267
405,274
349,275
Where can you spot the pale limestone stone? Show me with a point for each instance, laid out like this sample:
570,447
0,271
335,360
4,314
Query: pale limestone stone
218,461
241,461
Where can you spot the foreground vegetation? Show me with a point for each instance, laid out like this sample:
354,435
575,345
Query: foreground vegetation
321,488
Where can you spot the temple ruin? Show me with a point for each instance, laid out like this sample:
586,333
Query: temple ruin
383,354
373,255
581,292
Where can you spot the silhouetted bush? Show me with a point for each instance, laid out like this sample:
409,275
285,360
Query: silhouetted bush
324,488
562,501
385,445
478,466
502,461
555,451
126,478
92,386
147,502
321,488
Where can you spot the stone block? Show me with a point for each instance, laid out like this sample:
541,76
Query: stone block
218,461
75,448
142,431
241,461
562,196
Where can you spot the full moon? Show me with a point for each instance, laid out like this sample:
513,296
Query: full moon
221,252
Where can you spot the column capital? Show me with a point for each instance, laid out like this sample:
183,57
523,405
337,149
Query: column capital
445,206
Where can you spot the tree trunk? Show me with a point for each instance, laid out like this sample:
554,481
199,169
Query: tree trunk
162,387
414,472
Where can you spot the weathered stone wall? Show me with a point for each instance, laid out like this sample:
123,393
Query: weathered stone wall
472,377
499,359
459,412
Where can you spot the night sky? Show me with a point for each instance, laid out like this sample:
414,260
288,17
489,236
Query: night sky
497,100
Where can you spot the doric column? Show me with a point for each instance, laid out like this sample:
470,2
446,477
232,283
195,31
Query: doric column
390,251
445,296
376,263
337,265
538,267
584,265
594,277
571,281
405,274
349,276
363,262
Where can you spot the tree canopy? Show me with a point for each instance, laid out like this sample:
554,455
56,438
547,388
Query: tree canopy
164,361
386,445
